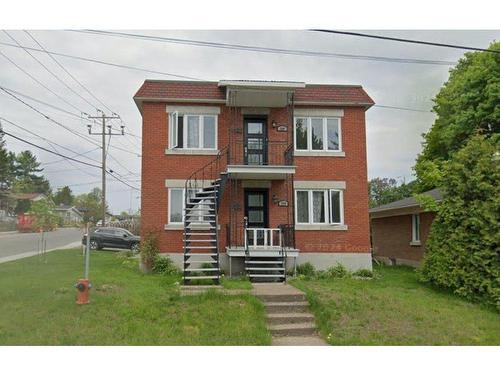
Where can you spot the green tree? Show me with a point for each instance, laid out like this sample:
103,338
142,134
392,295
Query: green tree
6,167
26,169
462,249
90,205
386,190
45,218
467,103
64,196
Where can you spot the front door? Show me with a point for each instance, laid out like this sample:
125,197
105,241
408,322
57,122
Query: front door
256,211
255,147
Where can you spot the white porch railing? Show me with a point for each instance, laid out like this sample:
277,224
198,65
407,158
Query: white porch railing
263,237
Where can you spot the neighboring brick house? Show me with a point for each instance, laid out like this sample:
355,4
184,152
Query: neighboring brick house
270,174
400,230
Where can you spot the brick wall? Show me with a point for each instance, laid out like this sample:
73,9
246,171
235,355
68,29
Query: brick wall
391,236
156,167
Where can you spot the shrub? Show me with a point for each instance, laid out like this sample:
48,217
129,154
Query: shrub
462,248
363,273
337,272
149,251
164,265
306,269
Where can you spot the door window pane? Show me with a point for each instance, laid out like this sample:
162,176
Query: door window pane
254,128
332,128
318,206
255,200
193,132
255,143
335,207
302,207
255,159
255,217
176,204
317,133
301,134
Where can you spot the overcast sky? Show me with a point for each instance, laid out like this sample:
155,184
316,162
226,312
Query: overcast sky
393,136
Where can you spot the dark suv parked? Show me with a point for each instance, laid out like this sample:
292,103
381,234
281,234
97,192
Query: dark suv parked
112,238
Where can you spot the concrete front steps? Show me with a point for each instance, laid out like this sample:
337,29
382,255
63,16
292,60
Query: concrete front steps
288,315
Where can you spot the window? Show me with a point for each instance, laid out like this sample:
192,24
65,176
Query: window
192,131
319,206
176,206
415,228
317,134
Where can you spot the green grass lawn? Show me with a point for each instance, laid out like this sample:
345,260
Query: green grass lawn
127,308
395,309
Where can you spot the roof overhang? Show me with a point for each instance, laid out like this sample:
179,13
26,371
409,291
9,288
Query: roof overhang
259,93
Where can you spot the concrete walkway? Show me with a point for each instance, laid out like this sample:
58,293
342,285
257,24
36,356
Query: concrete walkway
288,315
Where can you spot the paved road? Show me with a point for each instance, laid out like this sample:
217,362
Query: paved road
19,245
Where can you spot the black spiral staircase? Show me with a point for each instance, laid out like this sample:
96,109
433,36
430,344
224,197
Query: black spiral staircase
201,238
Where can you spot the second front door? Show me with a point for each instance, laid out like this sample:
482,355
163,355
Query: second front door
255,147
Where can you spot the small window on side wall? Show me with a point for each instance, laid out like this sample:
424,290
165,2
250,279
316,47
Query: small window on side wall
415,228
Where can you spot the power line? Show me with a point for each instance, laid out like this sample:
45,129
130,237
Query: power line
36,80
42,102
67,157
50,72
71,75
401,108
62,125
79,154
67,72
104,62
406,40
43,138
250,48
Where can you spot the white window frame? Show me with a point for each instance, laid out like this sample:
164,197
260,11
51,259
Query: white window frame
328,214
170,205
341,197
309,133
174,128
200,218
415,232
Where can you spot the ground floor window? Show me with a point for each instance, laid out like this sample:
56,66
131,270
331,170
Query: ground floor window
176,205
319,206
415,228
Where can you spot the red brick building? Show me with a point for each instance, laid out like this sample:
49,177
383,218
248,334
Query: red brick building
255,176
400,230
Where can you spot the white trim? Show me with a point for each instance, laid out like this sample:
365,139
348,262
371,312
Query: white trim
341,206
180,183
318,112
301,153
327,223
325,151
169,192
320,227
183,151
193,110
415,243
200,150
305,184
415,228
261,84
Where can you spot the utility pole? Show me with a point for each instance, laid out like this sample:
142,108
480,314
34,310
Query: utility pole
103,117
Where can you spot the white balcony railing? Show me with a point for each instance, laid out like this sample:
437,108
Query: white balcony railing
263,238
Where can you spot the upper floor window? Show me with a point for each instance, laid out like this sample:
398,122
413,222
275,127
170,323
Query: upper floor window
318,134
192,131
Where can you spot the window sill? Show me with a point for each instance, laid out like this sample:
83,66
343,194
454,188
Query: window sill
180,151
320,227
179,226
415,243
339,154
174,226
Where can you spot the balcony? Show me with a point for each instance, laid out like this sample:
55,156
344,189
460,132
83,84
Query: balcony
260,242
260,159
